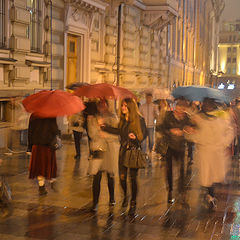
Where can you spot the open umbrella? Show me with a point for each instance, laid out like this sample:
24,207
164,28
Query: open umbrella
198,93
75,85
104,90
53,103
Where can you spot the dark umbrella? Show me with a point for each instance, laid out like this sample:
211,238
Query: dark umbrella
74,86
53,103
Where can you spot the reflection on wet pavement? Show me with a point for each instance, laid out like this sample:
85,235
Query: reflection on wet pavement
66,214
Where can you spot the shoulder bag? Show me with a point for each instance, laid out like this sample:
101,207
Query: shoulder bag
134,157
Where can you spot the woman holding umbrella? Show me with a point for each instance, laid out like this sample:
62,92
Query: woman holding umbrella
45,106
43,165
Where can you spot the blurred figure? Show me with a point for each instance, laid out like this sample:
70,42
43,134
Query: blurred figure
194,108
132,130
212,138
172,128
236,119
43,165
76,125
160,143
149,113
104,150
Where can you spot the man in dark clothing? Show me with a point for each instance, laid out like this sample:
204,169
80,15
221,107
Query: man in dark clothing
173,131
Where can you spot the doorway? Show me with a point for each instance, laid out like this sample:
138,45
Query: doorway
74,66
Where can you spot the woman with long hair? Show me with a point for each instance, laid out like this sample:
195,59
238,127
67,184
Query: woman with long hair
132,130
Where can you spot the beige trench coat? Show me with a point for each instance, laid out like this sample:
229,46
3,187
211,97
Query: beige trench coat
212,138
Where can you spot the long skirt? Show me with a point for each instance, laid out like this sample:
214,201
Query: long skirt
43,162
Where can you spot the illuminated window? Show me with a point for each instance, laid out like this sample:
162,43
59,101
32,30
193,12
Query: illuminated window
35,26
2,24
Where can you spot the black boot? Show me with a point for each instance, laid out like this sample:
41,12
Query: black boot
125,202
42,190
170,198
132,208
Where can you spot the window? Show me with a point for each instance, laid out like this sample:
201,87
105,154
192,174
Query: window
228,60
234,71
2,24
35,26
228,70
234,49
234,60
229,49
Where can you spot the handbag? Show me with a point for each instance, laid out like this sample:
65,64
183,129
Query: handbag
134,157
161,146
56,143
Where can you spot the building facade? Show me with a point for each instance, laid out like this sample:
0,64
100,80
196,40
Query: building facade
48,44
229,56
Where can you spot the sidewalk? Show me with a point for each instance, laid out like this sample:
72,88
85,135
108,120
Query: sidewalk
65,215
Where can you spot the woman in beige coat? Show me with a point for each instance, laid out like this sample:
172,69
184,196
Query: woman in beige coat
212,137
104,148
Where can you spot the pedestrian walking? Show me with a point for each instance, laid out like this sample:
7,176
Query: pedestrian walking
76,125
42,133
212,137
149,112
104,149
160,143
132,130
172,128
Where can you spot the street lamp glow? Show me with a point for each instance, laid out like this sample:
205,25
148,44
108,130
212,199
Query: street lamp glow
221,86
231,86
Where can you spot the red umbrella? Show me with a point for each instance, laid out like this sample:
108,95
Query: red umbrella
53,103
104,90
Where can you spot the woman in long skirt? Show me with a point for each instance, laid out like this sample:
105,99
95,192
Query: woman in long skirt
43,165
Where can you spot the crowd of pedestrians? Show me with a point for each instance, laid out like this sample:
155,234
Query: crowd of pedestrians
204,133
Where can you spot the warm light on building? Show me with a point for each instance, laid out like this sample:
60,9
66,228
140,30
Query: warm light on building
223,66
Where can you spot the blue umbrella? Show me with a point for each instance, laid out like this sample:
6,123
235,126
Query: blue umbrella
198,93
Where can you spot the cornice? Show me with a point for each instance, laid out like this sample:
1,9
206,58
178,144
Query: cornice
89,5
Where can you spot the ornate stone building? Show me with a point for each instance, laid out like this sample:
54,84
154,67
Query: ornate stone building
229,58
48,44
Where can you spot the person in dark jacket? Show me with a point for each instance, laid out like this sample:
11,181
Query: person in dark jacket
132,130
173,131
43,165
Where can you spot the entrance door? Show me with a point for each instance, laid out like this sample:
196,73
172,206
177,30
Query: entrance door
72,59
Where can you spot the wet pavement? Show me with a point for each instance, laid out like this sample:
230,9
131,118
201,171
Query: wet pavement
66,214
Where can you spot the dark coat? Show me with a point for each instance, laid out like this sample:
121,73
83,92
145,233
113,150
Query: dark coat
124,131
124,139
42,131
175,142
